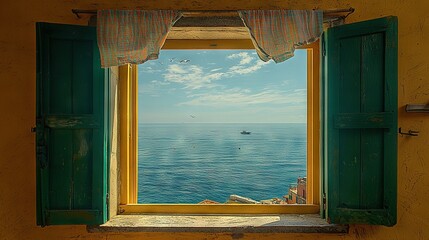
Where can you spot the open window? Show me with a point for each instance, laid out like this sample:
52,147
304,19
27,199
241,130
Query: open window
358,130
310,68
222,127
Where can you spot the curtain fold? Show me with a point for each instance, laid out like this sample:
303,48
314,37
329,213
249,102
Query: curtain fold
132,36
276,33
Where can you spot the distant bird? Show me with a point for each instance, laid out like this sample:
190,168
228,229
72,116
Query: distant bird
171,59
185,61
192,116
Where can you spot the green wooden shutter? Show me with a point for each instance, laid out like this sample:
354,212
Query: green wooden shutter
361,122
71,131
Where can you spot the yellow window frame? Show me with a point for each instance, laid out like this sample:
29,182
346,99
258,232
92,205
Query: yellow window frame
128,93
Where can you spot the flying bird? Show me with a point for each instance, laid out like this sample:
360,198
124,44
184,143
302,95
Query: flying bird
192,116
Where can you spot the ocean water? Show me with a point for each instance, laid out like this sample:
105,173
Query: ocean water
189,162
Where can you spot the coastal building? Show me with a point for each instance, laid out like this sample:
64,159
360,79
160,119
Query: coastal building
208,201
301,190
297,193
273,201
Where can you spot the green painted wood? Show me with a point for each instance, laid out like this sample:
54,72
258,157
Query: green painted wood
82,71
60,76
101,158
361,122
40,143
372,140
75,121
82,171
349,151
364,120
72,115
390,136
60,183
323,126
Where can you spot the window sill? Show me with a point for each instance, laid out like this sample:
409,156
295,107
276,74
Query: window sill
290,223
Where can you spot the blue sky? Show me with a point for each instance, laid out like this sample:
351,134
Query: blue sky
222,86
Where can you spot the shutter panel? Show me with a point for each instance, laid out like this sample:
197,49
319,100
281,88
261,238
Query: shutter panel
71,134
361,122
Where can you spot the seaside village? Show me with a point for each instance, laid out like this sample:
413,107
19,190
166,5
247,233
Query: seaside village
295,195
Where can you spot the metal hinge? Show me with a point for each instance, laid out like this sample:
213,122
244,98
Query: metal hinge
323,46
324,201
41,155
107,199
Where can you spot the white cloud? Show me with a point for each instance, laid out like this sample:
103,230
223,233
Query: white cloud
157,82
246,65
192,76
243,56
149,69
240,97
243,69
196,77
176,69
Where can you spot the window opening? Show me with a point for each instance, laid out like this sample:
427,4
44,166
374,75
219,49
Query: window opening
221,126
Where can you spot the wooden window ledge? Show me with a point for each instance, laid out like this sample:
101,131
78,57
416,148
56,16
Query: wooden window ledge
290,223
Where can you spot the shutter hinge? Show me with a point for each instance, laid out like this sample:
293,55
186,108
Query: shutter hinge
107,199
323,46
324,201
41,154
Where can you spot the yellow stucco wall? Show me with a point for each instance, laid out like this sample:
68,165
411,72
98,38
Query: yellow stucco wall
17,94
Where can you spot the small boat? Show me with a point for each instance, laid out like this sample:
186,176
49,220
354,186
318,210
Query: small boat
245,132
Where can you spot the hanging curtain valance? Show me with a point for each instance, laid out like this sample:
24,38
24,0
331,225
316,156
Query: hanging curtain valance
132,36
135,36
276,33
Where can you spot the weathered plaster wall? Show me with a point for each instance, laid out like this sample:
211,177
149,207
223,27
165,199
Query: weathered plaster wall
114,140
17,94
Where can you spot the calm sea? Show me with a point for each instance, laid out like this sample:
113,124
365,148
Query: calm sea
187,163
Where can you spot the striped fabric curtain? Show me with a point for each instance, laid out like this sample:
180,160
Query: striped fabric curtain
132,36
276,33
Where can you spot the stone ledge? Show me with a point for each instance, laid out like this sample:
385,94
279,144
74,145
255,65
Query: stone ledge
287,223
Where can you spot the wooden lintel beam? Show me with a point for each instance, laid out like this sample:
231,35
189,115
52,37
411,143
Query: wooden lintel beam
206,21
